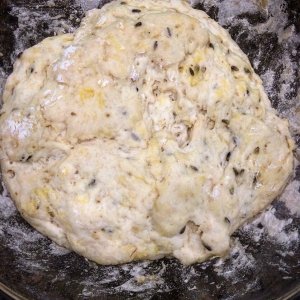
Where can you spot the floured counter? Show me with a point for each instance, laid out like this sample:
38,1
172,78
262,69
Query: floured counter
265,256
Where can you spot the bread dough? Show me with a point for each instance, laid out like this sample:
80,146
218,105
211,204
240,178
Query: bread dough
144,134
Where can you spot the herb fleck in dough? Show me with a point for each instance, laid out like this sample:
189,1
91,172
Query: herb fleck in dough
144,134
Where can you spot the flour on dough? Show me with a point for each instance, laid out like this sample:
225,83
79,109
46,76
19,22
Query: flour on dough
144,134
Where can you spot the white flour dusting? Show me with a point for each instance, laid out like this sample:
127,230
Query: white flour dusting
30,22
268,224
54,249
88,4
241,261
7,207
2,81
141,280
291,199
229,9
140,277
268,80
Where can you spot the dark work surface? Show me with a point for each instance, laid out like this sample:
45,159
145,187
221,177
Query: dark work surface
33,272
4,296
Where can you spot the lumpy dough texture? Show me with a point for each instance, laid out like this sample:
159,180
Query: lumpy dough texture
144,134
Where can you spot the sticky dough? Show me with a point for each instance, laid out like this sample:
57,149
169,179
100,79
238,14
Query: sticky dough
144,134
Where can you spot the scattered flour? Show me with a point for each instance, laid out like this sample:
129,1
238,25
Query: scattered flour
268,80
7,207
54,249
30,22
268,224
140,283
241,261
2,81
89,4
51,3
291,197
141,277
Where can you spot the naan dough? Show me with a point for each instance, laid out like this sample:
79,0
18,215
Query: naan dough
144,134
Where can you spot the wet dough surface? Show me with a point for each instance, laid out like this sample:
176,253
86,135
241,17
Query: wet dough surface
144,134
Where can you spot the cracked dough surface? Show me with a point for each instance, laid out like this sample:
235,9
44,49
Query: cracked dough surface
144,134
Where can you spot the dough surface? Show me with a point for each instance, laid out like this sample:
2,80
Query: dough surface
144,134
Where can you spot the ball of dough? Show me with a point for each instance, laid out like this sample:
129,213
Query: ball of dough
144,134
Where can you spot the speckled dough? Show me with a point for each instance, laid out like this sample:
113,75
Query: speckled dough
144,134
